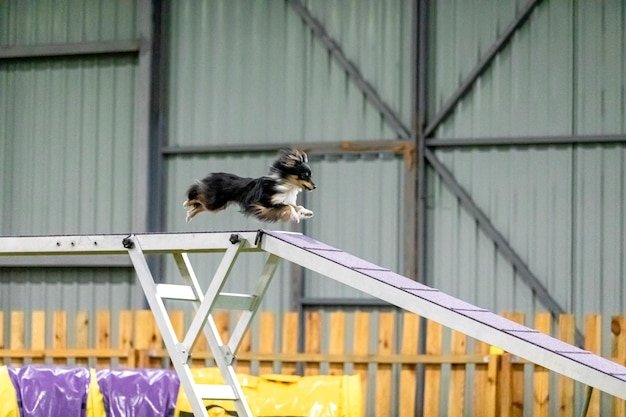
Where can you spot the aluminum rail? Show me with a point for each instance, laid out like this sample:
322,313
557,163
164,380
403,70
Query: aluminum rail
114,244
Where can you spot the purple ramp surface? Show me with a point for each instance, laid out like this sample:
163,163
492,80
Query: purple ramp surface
138,392
51,392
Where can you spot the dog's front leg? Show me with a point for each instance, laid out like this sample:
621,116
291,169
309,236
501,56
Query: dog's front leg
303,213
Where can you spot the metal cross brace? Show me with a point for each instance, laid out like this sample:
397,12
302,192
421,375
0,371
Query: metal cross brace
204,304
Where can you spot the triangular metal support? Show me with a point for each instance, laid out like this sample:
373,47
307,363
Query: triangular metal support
204,304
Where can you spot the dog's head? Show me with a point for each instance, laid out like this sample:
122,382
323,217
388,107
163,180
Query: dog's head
292,167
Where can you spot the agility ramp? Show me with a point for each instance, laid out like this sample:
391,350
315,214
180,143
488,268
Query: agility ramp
333,263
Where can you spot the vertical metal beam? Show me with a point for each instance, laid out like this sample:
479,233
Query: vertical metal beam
158,120
335,50
420,114
143,74
420,48
468,83
141,145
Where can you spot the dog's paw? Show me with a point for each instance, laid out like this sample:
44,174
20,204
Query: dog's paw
306,214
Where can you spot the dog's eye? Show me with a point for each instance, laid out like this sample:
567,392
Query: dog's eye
305,175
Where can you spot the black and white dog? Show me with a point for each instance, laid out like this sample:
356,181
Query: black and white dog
269,198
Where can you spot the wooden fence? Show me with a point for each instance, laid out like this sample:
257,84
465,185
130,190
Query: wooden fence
462,376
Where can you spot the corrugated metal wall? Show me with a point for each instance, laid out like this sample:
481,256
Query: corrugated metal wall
244,73
67,154
562,207
66,147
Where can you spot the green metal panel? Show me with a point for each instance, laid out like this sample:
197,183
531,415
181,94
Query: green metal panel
252,72
66,137
527,90
600,67
47,22
66,148
562,208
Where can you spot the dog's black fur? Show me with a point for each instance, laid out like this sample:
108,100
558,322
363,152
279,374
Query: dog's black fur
269,198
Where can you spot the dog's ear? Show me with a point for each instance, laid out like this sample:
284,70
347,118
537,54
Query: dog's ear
292,157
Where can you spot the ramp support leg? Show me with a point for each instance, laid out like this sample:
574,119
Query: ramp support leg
588,394
179,352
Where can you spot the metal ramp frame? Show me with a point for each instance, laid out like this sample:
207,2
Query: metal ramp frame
568,360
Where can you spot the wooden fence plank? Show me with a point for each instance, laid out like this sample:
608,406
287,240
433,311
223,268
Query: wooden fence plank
567,333
541,376
492,408
126,330
82,330
82,335
290,340
38,330
222,322
1,330
103,329
17,330
145,331
337,341
103,334
386,322
59,334
177,317
245,347
618,348
360,346
456,393
593,340
266,341
312,344
408,377
432,373
515,384
480,381
38,334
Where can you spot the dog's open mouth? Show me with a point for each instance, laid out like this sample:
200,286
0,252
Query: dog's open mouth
309,187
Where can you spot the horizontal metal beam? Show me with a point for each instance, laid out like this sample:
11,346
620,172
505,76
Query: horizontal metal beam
313,148
114,244
70,49
525,141
68,261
